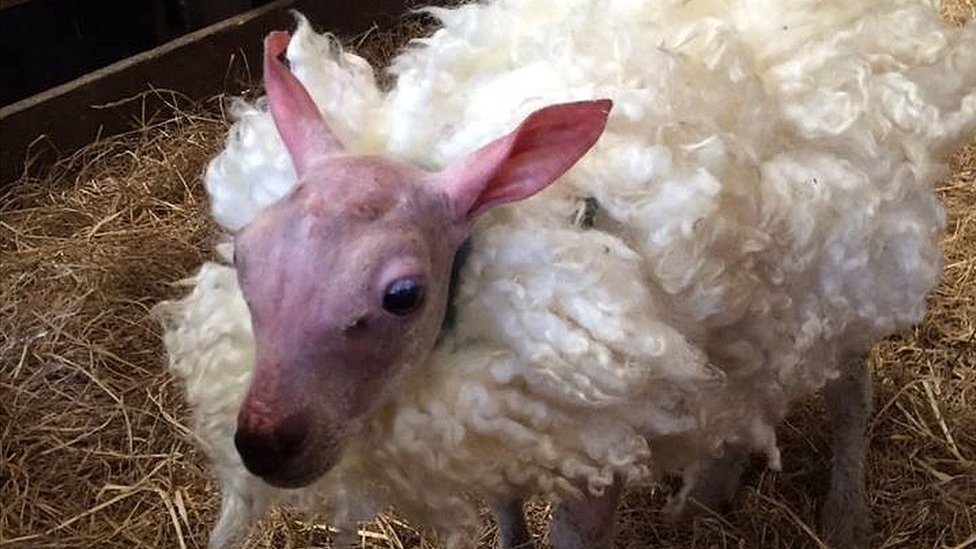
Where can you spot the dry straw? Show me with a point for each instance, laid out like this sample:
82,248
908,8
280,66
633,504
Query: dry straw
94,445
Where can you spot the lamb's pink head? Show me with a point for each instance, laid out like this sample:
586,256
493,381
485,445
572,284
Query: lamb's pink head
346,277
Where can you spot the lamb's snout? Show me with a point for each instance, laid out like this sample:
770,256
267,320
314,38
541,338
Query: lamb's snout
270,449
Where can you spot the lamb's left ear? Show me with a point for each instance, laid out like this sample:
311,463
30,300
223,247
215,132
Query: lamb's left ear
299,123
544,146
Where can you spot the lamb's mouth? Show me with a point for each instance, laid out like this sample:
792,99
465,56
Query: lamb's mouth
293,470
301,474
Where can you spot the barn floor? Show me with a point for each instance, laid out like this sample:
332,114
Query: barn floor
94,447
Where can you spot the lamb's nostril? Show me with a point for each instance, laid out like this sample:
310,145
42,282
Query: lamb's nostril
291,433
257,451
266,452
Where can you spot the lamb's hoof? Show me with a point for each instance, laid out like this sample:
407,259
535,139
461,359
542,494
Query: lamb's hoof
522,540
713,496
694,508
520,544
715,489
846,523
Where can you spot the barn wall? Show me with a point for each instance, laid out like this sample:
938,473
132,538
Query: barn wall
220,58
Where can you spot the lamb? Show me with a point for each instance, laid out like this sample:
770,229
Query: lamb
396,322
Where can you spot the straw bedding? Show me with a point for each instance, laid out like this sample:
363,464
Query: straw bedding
94,448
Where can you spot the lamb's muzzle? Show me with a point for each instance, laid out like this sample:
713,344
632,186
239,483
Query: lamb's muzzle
271,451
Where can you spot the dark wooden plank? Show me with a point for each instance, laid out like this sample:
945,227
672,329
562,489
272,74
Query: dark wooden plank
199,65
201,13
4,4
46,43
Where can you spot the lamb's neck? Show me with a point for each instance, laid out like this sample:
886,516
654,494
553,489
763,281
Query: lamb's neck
450,315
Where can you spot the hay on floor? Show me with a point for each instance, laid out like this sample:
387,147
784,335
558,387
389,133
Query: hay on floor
94,446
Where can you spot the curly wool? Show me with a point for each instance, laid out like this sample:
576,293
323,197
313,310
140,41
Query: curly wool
765,211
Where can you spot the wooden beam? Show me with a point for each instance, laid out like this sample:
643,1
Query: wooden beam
4,4
219,58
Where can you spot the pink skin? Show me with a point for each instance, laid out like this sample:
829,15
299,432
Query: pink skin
315,267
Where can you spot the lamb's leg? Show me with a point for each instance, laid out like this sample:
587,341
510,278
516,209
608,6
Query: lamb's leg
844,517
587,523
512,531
717,485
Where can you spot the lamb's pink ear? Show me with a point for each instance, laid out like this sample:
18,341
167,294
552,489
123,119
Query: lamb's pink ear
298,120
525,161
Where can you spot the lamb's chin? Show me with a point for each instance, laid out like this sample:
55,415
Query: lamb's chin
301,477
293,481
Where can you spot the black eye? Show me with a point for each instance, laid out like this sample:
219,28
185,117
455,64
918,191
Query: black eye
404,296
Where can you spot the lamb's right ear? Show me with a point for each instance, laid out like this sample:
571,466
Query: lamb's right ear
525,161
301,126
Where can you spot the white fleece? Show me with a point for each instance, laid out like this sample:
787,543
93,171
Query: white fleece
765,210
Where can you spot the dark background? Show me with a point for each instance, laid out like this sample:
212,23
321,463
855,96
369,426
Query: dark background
48,42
